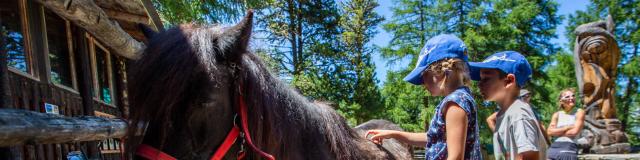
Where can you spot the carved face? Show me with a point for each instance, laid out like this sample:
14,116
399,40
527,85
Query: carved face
593,48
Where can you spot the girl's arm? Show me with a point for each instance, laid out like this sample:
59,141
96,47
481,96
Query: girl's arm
577,127
553,130
456,131
415,139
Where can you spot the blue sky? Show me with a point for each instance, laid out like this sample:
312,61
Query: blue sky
382,38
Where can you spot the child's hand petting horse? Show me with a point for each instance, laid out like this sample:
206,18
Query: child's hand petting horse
378,135
415,139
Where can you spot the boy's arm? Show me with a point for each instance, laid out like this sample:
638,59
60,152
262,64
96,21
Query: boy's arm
525,133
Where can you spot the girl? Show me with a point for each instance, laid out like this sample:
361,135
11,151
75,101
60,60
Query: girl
565,124
453,133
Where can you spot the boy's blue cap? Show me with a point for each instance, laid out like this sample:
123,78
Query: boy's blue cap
437,48
509,62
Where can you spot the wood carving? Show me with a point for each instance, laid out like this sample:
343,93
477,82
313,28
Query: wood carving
596,57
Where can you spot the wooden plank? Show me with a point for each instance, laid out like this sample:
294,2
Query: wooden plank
58,151
49,151
41,128
40,152
65,150
30,152
25,95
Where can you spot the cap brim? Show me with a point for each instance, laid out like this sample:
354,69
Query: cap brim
474,68
415,77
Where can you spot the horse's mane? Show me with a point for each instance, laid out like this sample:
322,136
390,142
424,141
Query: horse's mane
293,117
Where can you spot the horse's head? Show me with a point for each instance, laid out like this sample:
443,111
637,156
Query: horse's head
181,91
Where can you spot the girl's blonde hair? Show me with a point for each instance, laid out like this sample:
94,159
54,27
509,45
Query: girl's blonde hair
455,68
560,96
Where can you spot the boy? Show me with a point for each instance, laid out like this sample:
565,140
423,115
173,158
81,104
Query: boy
517,135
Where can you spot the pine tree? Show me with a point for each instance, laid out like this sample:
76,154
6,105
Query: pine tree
299,32
359,23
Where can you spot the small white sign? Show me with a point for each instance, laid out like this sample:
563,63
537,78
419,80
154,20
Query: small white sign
51,108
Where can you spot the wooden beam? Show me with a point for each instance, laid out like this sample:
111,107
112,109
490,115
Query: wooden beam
129,6
123,16
21,127
153,15
88,15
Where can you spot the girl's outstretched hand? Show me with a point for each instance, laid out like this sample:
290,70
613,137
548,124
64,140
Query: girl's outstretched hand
378,135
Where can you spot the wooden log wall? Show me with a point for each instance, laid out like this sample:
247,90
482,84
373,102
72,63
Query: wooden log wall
29,94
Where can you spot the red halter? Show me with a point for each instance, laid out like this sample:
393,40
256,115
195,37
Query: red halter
151,153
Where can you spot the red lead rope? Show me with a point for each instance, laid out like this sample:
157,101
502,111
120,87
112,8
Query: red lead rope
151,153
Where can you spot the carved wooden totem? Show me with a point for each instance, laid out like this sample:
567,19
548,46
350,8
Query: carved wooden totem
596,57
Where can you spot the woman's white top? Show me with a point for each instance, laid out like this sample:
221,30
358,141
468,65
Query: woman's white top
566,119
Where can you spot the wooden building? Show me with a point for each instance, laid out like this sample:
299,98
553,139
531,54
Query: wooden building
69,57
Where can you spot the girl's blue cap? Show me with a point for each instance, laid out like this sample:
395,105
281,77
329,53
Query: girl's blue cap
509,62
437,48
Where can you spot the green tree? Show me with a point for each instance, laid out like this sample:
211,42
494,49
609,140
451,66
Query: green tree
359,23
299,32
559,75
627,33
203,11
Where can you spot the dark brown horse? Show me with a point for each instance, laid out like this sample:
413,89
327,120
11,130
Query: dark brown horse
184,94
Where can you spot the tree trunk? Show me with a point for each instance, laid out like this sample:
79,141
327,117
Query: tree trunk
21,127
91,17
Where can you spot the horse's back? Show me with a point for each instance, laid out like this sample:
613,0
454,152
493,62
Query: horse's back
391,146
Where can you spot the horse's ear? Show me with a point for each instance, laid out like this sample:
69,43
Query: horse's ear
148,32
611,26
241,33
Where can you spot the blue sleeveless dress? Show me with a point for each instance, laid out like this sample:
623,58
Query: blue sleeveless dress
436,135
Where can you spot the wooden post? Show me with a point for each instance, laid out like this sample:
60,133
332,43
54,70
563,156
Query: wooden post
5,152
86,87
27,127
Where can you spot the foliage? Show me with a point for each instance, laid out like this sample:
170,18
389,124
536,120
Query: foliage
174,12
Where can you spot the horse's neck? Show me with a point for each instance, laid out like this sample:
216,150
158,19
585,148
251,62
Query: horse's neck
304,127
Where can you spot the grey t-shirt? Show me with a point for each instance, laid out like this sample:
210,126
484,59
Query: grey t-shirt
517,131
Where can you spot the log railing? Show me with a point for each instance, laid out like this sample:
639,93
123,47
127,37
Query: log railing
21,127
